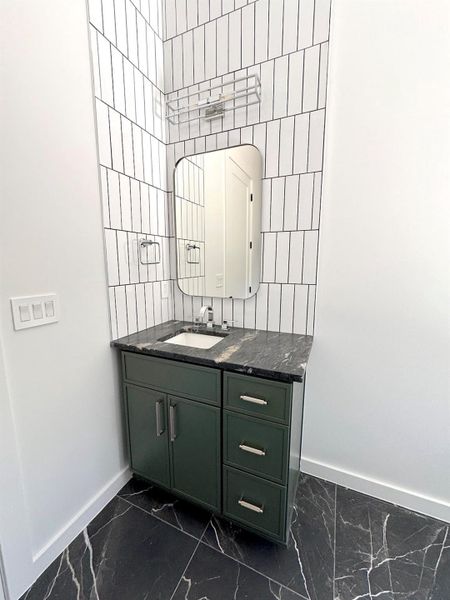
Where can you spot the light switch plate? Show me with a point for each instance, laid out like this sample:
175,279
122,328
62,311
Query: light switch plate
32,311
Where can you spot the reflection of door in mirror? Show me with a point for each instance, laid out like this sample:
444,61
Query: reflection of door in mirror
218,220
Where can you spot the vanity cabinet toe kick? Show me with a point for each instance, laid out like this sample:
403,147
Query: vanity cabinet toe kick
226,441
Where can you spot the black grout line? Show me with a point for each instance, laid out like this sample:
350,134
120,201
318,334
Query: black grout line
148,22
135,66
177,90
225,131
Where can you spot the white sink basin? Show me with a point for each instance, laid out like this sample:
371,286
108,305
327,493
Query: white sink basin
195,340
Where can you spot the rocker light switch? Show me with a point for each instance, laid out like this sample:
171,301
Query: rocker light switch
24,312
32,311
49,308
37,311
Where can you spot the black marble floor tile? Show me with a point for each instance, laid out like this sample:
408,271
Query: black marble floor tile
184,515
123,554
306,565
360,547
214,576
387,552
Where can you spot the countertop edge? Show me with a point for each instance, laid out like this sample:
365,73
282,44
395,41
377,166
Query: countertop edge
221,365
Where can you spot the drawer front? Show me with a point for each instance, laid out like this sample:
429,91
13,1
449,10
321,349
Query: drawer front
259,397
254,502
173,377
257,446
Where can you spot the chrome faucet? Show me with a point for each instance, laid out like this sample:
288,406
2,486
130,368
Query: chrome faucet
207,309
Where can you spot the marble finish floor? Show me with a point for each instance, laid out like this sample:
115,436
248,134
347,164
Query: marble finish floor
147,545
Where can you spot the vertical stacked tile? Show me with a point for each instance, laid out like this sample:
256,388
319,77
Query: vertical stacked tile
286,43
190,225
127,59
143,48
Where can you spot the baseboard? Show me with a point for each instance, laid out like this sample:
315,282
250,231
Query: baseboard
46,555
433,507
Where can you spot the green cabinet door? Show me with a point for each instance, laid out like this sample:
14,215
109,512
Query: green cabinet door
194,430
148,435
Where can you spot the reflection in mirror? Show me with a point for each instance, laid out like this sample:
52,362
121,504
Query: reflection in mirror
218,222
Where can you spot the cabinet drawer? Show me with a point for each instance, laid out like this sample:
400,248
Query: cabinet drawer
173,377
259,397
254,502
256,446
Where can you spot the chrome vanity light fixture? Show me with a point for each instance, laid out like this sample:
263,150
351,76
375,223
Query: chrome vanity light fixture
213,102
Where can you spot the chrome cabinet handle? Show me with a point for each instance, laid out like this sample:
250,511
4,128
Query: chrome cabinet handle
173,433
159,427
253,400
252,450
250,506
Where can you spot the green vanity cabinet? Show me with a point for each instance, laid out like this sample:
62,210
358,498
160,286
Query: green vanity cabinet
195,451
175,441
148,433
255,503
173,377
262,424
255,446
227,441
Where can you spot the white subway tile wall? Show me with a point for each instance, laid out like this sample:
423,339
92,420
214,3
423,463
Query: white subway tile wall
286,43
127,56
190,224
147,51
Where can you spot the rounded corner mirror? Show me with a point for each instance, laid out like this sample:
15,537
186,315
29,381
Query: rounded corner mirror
218,222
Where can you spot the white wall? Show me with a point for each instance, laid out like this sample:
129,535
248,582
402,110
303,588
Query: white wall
378,394
15,546
61,379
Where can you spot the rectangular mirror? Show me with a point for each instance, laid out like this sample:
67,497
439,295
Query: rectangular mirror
218,222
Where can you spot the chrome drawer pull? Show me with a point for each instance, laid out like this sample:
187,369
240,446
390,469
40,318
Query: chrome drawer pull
252,450
253,400
250,506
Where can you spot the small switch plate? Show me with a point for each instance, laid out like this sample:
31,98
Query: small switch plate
32,311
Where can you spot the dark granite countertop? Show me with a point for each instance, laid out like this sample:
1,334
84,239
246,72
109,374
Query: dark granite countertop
278,356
